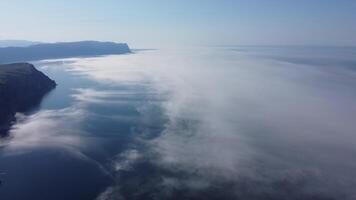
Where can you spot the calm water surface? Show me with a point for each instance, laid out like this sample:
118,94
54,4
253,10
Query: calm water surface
205,123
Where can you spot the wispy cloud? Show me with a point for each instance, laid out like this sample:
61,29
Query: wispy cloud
47,129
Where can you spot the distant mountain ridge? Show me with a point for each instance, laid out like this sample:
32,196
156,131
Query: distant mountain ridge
61,50
17,43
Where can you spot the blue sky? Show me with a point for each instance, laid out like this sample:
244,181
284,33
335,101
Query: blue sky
155,23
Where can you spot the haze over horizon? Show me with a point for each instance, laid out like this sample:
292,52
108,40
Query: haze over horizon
177,99
181,23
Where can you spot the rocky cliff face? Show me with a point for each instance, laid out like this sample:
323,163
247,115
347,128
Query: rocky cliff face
22,87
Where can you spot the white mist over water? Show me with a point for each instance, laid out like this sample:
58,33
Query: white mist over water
231,116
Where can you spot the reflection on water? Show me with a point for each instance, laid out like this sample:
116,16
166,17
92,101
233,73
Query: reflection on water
217,123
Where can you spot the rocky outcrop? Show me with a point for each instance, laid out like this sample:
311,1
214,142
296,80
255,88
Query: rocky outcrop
61,50
22,87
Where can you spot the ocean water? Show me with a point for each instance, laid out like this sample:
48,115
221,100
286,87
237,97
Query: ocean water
234,122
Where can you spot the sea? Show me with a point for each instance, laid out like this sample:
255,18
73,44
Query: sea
212,122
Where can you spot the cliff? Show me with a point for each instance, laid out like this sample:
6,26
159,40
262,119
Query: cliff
22,87
61,50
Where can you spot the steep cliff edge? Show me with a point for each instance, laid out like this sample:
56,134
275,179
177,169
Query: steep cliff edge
22,87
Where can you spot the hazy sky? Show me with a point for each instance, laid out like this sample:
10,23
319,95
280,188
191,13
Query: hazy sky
155,23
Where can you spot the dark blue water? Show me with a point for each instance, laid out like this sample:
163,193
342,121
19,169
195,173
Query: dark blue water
205,123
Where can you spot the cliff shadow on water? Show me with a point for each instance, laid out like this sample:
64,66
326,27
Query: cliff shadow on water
22,87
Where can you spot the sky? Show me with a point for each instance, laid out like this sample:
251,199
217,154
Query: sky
157,23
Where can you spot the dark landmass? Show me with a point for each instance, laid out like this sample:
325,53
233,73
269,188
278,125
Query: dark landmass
17,43
22,87
61,50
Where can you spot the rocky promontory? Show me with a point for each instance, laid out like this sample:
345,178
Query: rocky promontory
22,87
61,50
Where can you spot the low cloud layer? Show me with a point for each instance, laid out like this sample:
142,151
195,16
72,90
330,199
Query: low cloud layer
267,127
215,124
